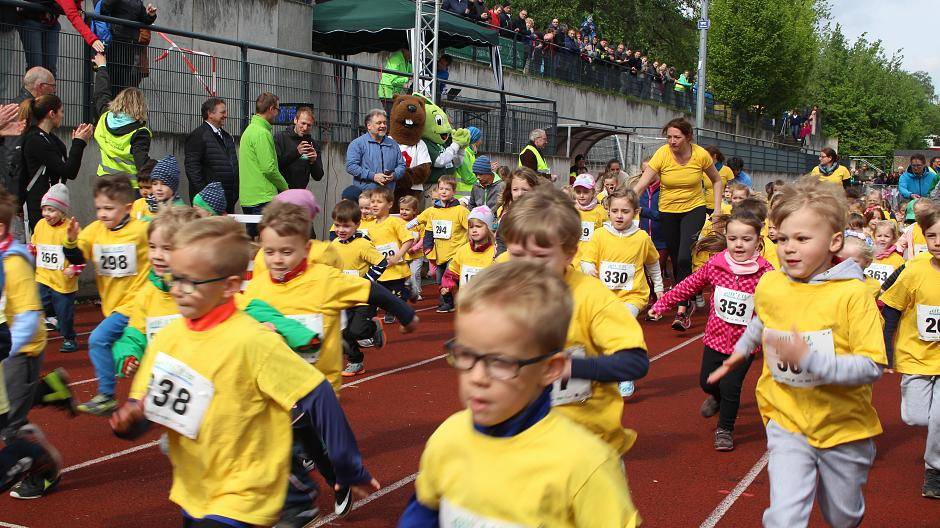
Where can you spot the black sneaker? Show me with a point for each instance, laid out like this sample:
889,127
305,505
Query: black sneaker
724,440
445,306
684,321
35,486
931,488
709,407
389,318
37,457
298,516
342,501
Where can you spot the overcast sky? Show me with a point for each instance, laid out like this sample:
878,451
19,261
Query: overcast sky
906,25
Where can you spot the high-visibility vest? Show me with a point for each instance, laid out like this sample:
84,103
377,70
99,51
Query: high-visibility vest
116,150
540,163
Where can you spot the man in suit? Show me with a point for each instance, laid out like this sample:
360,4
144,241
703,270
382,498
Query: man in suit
211,155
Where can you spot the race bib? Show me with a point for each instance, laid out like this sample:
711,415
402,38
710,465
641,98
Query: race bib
115,260
442,229
617,275
467,273
572,390
732,306
155,324
363,232
919,248
354,273
928,322
587,229
453,516
791,374
879,272
49,256
314,323
178,396
388,250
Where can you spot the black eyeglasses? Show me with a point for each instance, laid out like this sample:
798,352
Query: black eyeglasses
188,286
497,366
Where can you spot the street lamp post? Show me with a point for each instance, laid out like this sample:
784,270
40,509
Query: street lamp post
703,24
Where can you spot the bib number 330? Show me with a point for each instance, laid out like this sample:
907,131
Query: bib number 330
178,396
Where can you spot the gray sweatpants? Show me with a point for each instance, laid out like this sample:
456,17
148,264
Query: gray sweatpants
21,376
920,405
800,473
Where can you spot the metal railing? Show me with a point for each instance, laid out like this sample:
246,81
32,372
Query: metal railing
340,92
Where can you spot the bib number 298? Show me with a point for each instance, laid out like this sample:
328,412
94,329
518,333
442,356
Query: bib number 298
113,262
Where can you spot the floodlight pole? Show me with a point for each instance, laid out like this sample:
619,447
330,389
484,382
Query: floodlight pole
424,47
703,24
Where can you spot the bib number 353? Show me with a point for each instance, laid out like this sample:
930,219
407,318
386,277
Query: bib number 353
178,396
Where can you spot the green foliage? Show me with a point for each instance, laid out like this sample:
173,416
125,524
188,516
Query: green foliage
866,99
760,52
661,28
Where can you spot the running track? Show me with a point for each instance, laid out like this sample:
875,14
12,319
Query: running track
676,478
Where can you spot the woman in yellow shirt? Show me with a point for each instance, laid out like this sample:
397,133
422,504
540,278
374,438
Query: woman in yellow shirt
680,166
724,172
829,169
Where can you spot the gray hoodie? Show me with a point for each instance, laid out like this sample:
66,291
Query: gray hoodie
839,369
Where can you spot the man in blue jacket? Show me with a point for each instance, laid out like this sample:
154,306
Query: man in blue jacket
917,181
374,159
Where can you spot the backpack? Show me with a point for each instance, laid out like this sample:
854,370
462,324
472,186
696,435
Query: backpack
101,29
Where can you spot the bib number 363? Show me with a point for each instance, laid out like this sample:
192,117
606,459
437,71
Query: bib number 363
178,396
928,322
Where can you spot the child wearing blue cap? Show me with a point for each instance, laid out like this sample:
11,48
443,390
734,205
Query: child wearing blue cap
488,187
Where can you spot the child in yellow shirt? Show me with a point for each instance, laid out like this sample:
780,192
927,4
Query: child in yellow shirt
508,360
605,344
593,215
408,211
57,277
228,389
359,259
473,257
140,209
117,243
393,240
912,311
887,256
820,331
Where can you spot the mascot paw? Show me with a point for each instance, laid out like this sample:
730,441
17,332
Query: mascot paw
462,137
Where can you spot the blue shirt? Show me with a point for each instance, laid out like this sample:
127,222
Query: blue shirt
366,157
743,178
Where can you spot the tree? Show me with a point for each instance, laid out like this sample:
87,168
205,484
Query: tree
761,52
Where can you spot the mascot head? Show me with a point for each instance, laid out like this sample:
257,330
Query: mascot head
437,127
407,120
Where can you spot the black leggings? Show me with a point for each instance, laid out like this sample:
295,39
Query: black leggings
728,389
680,231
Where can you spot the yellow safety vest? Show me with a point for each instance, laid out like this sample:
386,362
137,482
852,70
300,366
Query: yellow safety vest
116,150
540,163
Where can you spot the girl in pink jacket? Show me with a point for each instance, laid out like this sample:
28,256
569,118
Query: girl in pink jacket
734,274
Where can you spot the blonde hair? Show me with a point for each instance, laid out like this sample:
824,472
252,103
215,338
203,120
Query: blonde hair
225,243
827,201
740,187
545,215
887,224
928,215
130,102
525,294
286,219
171,220
408,201
865,252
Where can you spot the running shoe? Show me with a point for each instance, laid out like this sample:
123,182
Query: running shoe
445,306
699,300
342,501
52,324
353,369
298,516
627,388
709,407
366,343
389,318
56,391
684,321
100,405
931,488
38,459
724,440
68,345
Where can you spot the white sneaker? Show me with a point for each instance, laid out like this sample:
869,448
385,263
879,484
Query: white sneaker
366,343
627,388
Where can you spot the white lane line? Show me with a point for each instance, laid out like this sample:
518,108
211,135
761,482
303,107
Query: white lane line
394,370
677,347
60,337
736,493
378,494
112,456
82,382
8,525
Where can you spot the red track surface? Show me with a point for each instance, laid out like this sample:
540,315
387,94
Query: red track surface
676,478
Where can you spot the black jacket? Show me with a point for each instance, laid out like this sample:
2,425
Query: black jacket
295,170
133,10
210,158
46,150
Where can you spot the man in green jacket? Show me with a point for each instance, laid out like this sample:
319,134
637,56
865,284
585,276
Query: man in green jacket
259,178
392,83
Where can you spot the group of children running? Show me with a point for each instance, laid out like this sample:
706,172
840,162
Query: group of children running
240,357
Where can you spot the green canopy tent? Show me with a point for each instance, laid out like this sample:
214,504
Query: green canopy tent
347,27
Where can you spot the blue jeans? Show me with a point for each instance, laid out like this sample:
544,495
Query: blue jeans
253,210
99,350
63,306
40,42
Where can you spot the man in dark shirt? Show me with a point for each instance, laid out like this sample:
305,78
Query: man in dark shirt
298,155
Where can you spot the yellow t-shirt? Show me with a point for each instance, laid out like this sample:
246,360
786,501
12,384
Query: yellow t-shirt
620,260
121,262
50,260
592,220
502,257
357,255
881,269
552,474
709,189
769,252
449,227
316,299
681,189
467,262
916,294
600,325
152,310
839,317
140,210
256,380
874,287
837,177
320,253
22,295
416,234
918,242
388,236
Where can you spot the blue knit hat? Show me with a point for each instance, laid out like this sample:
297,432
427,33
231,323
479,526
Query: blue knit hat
351,193
482,166
168,172
212,199
475,134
